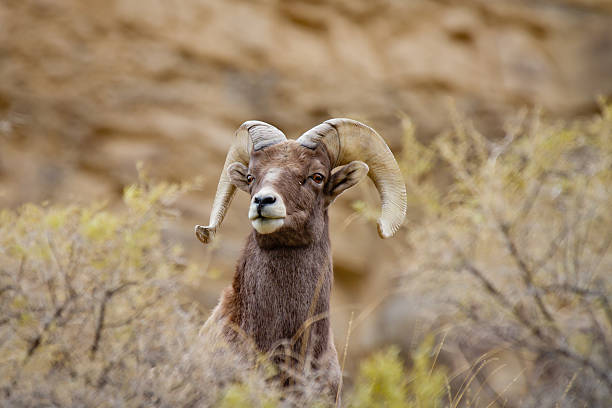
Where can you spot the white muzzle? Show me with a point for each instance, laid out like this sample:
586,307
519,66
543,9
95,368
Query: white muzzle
267,211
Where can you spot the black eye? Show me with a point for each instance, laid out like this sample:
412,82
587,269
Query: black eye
317,178
250,178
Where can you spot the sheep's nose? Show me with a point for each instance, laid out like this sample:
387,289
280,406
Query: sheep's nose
264,200
267,203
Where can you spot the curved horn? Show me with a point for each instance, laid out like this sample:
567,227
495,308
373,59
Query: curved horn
347,140
251,136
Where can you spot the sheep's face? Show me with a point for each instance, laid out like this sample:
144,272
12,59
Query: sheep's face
291,187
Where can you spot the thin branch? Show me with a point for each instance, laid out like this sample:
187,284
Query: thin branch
60,267
37,341
100,324
577,241
501,298
552,249
121,287
602,251
103,377
517,311
527,274
136,314
532,196
566,287
6,289
603,374
599,333
601,296
607,309
108,294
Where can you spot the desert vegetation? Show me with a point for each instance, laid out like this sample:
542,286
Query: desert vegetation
509,254
516,252
92,315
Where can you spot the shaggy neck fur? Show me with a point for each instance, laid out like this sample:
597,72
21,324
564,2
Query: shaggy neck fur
278,288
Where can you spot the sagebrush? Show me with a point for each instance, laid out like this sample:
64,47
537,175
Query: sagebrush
92,314
515,249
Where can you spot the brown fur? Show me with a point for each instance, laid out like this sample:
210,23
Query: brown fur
284,279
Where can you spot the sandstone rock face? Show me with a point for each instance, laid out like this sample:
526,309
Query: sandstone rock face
87,89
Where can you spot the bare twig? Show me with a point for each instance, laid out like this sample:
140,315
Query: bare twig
552,249
602,251
606,306
108,294
498,296
601,296
6,289
37,341
66,278
566,287
99,324
136,314
532,196
526,274
599,333
602,373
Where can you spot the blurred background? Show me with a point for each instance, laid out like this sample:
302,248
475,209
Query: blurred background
89,89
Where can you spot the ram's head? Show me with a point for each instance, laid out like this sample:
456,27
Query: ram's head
292,182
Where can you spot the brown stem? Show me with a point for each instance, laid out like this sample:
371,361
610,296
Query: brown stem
108,294
601,296
586,363
37,341
527,274
504,302
100,324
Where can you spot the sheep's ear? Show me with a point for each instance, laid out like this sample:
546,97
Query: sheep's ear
345,177
238,175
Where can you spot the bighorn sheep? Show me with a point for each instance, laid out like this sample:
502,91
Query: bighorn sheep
282,284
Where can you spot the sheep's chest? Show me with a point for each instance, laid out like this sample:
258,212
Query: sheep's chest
285,289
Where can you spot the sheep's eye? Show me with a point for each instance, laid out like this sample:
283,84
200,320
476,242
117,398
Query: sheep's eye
317,178
250,178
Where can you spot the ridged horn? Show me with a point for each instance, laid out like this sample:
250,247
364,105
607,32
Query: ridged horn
251,136
347,140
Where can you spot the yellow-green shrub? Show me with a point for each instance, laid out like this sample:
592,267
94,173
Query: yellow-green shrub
91,313
383,381
516,248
